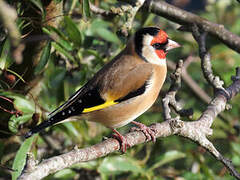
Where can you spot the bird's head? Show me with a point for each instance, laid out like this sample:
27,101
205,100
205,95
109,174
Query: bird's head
153,44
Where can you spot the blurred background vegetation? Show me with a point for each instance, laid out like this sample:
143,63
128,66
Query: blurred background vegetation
65,43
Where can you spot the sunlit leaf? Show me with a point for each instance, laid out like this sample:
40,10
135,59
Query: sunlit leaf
193,176
65,174
167,158
107,35
20,158
236,147
4,54
118,164
23,104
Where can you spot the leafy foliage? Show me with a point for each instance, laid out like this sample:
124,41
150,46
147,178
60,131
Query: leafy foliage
73,52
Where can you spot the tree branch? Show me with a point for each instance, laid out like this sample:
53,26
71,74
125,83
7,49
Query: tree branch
196,131
182,17
170,99
130,11
191,83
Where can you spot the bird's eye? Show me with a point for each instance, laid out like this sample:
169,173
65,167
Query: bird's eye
157,46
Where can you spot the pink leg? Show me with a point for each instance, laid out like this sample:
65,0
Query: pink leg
149,133
123,141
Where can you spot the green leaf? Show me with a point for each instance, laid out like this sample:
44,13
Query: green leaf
44,58
63,51
86,9
58,37
57,77
117,165
193,176
99,28
236,160
5,59
236,147
71,129
167,158
65,174
73,31
87,165
98,23
14,122
23,104
57,1
20,158
107,35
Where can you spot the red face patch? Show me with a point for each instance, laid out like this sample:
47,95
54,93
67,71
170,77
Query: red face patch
161,37
161,54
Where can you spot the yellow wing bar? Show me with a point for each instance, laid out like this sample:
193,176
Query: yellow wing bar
101,106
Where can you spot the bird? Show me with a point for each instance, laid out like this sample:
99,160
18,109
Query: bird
122,89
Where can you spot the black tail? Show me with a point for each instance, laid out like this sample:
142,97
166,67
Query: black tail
73,107
72,110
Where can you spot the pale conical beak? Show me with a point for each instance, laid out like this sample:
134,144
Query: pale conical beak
171,45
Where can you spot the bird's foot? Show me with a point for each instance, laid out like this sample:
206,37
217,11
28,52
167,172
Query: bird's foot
149,133
122,140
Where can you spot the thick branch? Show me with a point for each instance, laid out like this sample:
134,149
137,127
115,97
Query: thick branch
196,131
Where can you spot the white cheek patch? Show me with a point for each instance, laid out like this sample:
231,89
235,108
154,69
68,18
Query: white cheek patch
148,52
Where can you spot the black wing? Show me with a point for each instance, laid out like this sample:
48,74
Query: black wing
73,107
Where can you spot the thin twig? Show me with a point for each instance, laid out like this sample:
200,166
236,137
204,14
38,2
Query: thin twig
202,126
130,11
191,83
214,81
170,98
102,12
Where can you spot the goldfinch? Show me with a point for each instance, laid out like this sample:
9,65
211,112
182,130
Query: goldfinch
123,89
